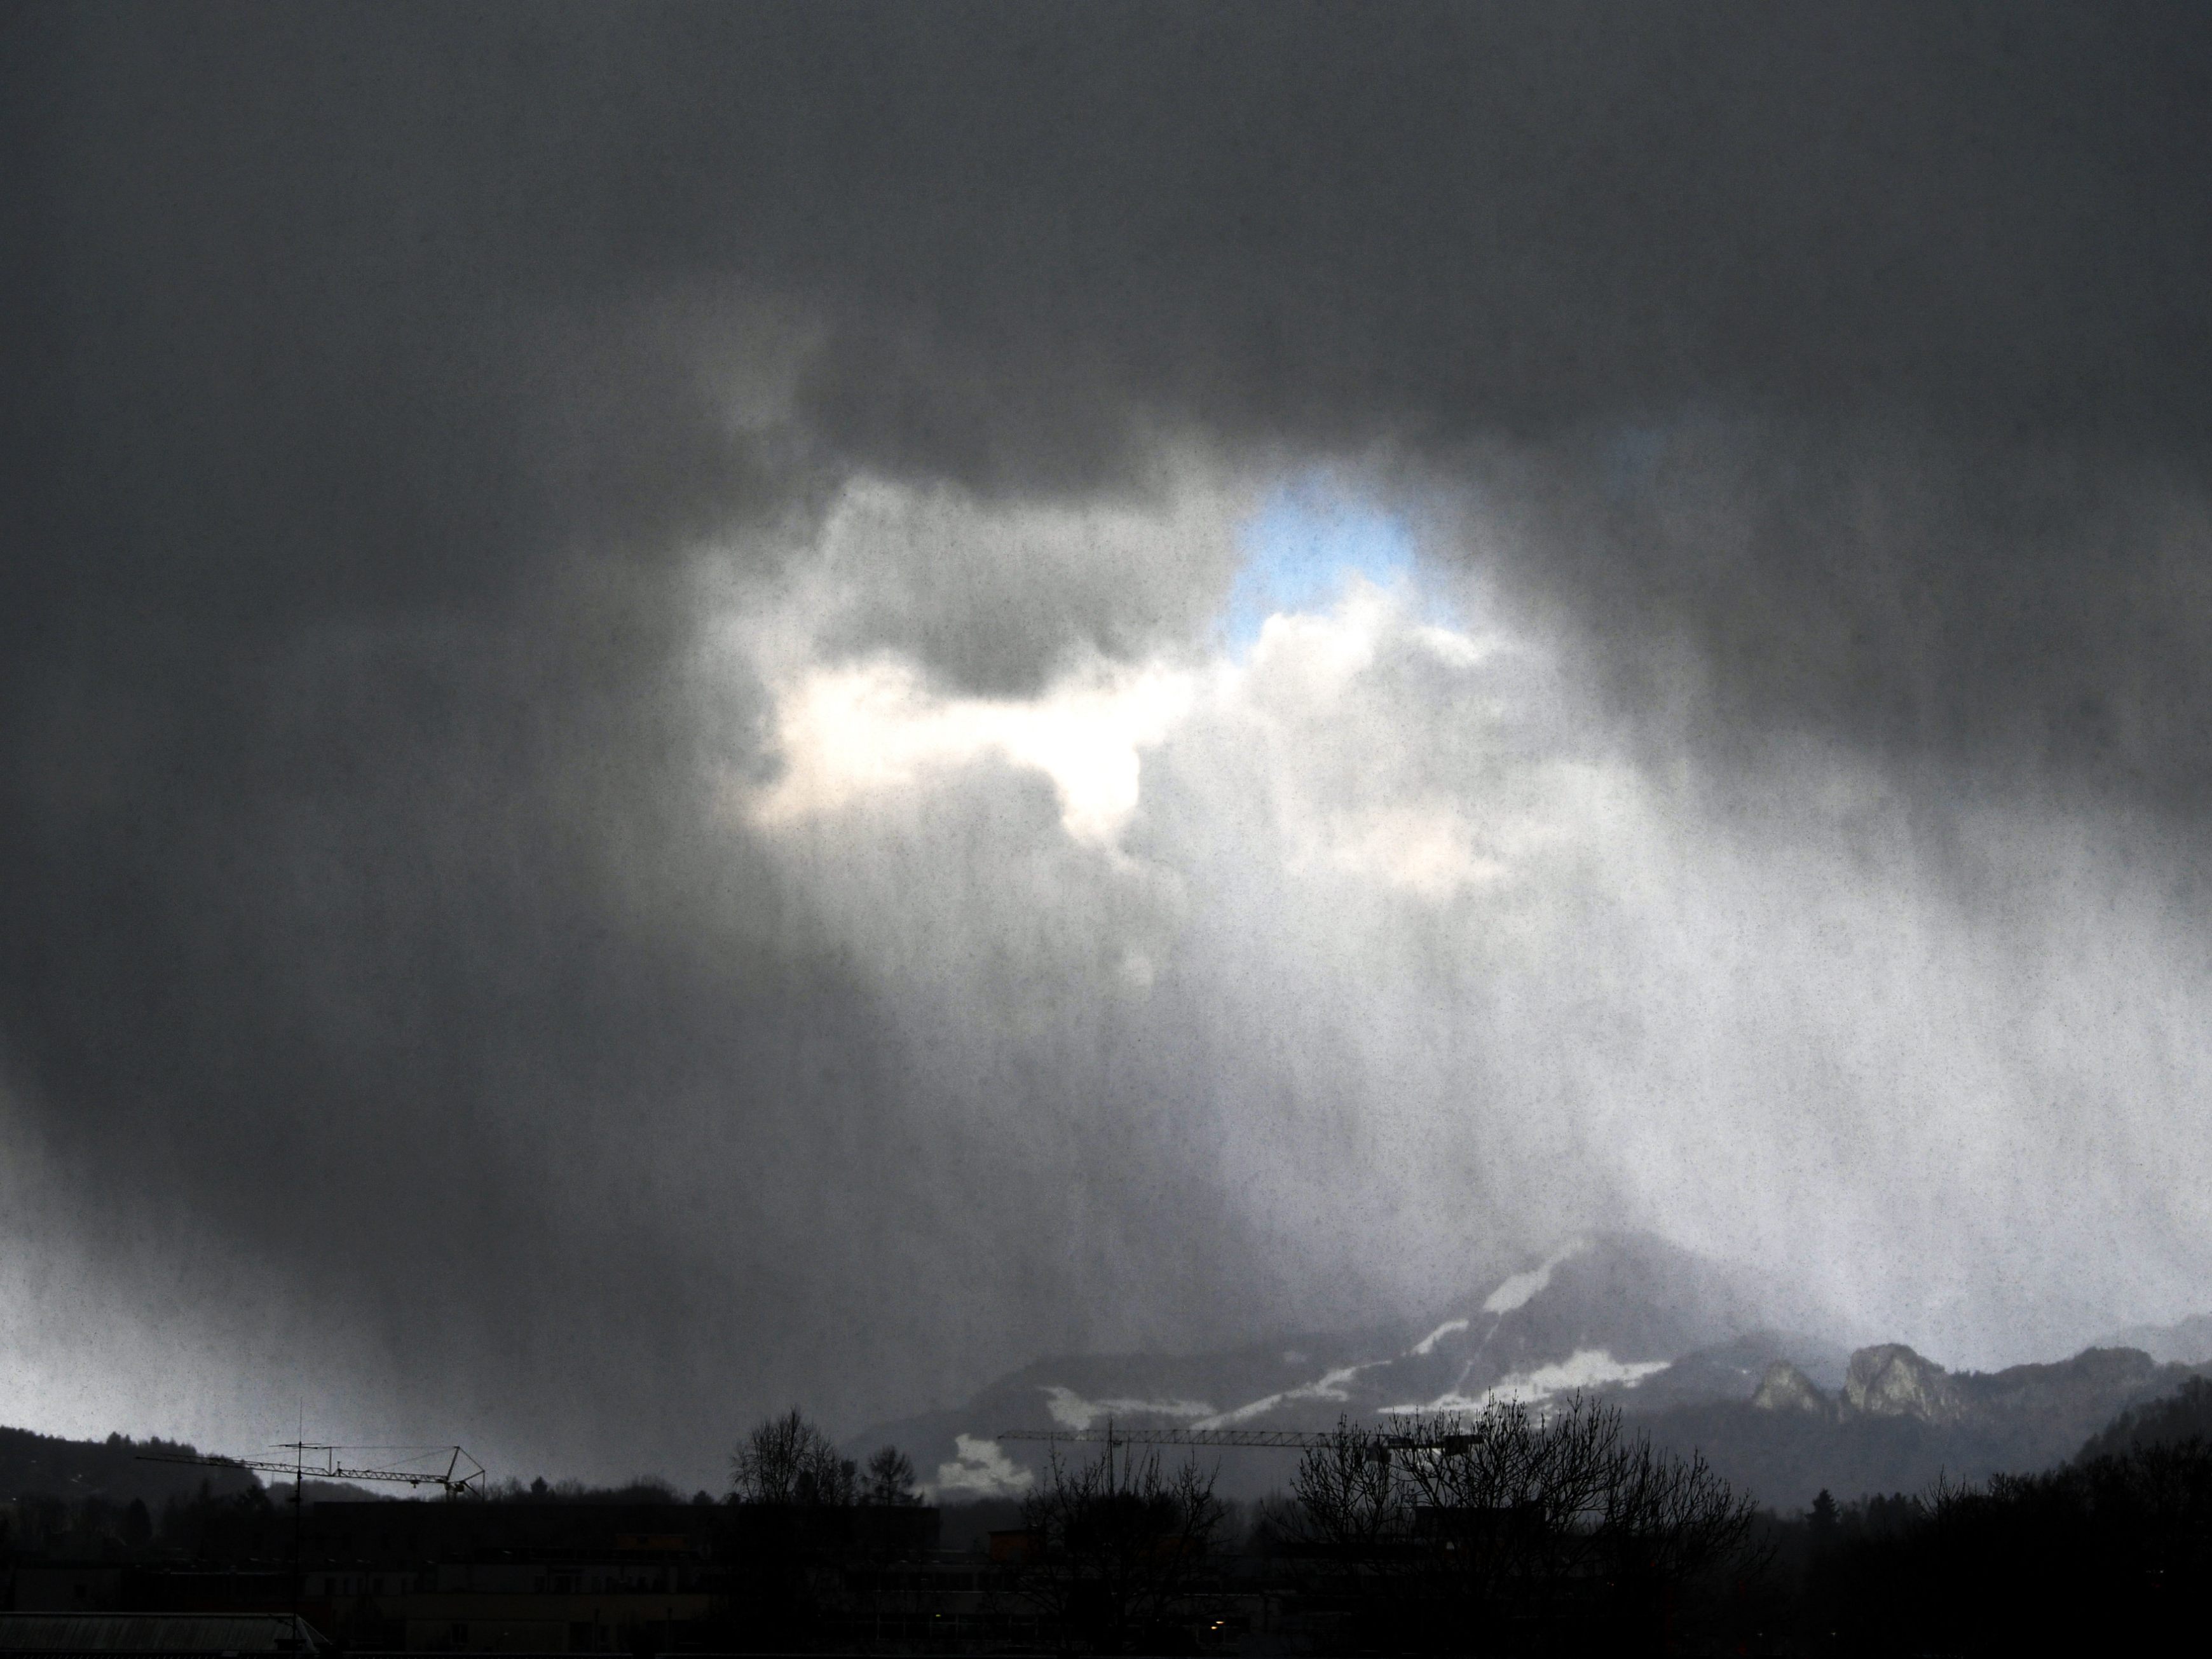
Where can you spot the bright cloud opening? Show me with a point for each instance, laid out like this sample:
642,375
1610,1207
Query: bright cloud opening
1326,601
845,733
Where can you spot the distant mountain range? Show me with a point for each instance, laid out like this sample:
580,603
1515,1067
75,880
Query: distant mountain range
2187,1343
1703,1356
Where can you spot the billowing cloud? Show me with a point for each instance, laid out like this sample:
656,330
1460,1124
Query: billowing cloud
1407,936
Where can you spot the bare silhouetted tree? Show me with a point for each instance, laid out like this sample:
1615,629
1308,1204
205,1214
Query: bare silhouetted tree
1118,1544
890,1477
1348,1496
1457,1530
787,1460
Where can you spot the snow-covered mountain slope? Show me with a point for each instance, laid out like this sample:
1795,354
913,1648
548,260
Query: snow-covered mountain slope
1626,1315
1704,1357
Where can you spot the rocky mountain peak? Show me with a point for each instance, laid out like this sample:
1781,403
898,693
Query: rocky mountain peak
1786,1389
1892,1380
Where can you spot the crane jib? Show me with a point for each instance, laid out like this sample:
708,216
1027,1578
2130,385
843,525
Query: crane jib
1255,1439
460,1474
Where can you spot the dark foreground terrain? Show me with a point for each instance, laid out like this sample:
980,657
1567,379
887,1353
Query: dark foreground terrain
1510,1532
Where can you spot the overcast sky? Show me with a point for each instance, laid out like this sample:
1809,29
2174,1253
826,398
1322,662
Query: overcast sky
701,708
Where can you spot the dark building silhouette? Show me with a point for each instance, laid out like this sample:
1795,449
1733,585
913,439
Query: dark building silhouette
153,1635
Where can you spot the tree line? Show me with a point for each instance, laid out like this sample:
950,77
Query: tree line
787,1460
1525,1530
1516,1526
2111,1551
1438,1533
1513,1530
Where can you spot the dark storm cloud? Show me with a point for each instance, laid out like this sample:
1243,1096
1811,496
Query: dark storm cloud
369,374
2000,617
360,284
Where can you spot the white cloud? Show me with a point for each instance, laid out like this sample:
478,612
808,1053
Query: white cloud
1586,1368
1071,1411
980,1469
1424,848
844,731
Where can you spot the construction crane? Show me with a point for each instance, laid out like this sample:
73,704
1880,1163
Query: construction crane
459,1475
1261,1439
1273,1439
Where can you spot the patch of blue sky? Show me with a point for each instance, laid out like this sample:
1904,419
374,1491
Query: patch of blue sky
1302,550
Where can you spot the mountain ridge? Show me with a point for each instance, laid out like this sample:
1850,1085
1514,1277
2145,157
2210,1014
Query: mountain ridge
1704,1355
117,1469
